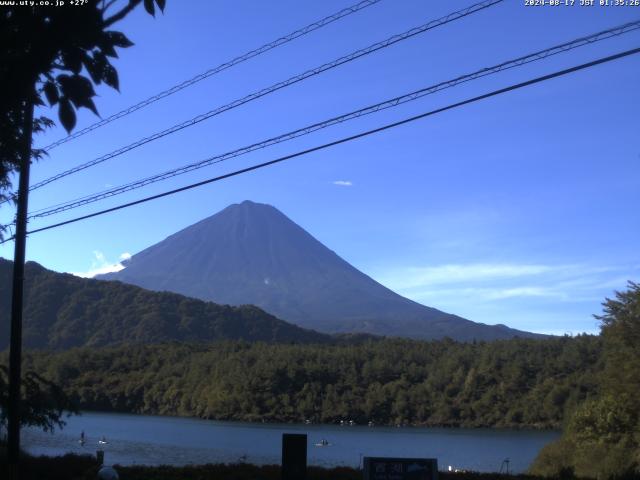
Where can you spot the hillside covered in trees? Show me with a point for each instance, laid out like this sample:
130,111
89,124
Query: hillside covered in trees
602,436
511,383
64,311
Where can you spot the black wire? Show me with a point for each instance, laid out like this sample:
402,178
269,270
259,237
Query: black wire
347,139
213,71
275,87
539,55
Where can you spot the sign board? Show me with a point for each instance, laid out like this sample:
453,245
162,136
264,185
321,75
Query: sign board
294,456
383,468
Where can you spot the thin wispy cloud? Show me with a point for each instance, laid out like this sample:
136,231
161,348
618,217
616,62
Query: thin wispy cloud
523,291
343,183
456,273
516,277
100,265
487,294
508,292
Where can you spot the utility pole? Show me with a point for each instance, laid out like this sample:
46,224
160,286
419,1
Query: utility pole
15,347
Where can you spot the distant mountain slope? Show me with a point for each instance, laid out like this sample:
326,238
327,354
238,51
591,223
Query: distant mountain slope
252,253
63,311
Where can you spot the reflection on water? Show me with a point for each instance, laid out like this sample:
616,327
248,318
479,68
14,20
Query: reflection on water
153,440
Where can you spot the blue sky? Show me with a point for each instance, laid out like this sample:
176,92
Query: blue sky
521,209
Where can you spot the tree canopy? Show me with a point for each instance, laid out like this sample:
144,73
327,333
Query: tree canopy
602,437
57,54
507,383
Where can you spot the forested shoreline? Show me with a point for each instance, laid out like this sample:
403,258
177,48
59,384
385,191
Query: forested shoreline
512,383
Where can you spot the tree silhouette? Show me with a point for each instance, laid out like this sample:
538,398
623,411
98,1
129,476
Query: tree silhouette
46,51
43,402
57,54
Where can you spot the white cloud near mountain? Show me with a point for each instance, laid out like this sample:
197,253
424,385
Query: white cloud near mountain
100,265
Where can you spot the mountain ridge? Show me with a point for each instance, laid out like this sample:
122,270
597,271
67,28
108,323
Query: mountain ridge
62,311
251,253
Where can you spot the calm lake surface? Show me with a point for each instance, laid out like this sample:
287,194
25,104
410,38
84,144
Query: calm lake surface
153,440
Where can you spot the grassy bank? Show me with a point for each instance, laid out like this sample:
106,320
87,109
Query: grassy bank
83,467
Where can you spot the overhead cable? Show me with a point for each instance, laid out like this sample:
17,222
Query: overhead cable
277,86
345,139
523,60
213,71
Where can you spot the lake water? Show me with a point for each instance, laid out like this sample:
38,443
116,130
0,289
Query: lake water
153,440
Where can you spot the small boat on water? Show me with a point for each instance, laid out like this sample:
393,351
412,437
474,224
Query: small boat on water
102,441
322,443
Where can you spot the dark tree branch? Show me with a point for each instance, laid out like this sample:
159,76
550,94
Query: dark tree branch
122,13
107,5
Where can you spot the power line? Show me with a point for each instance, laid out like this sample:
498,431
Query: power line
277,86
539,55
346,139
213,71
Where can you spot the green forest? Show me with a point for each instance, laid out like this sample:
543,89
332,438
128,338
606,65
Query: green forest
512,383
601,438
586,385
63,311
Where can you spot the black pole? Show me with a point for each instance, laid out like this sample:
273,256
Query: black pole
15,348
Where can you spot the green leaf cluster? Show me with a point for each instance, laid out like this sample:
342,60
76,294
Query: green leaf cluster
57,54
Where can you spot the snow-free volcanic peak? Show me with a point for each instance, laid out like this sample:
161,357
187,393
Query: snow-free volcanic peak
251,253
